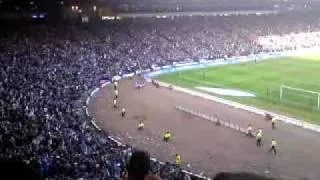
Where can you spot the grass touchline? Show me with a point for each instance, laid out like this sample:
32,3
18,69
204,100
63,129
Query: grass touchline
263,79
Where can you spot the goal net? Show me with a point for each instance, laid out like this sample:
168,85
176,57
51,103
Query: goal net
300,97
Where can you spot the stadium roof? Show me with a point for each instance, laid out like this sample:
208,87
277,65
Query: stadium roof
160,5
201,5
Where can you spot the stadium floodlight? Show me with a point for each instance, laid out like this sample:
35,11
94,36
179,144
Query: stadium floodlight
300,96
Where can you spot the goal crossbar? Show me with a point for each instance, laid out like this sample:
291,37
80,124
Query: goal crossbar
299,89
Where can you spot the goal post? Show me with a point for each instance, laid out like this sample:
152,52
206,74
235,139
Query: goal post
300,96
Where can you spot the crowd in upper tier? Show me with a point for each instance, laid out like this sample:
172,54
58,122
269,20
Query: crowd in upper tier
47,71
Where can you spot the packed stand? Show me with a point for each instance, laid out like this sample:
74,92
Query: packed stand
45,74
47,71
163,40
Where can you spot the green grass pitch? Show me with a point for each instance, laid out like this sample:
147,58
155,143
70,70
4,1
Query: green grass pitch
264,79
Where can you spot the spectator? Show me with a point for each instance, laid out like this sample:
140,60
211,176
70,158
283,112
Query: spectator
239,176
139,165
47,71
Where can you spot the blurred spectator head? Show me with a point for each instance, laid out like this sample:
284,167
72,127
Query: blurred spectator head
239,176
139,165
12,169
152,177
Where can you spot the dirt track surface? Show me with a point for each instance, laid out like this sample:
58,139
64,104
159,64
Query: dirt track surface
202,144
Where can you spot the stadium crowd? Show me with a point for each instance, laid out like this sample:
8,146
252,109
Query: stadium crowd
45,74
47,71
182,38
